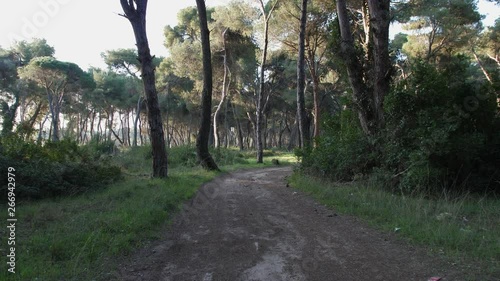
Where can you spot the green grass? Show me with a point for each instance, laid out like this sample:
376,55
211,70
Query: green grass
82,237
73,238
464,229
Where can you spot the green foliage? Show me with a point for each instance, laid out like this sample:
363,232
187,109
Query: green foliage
442,133
56,168
84,237
442,130
71,72
26,51
8,69
343,152
125,61
103,226
188,27
439,27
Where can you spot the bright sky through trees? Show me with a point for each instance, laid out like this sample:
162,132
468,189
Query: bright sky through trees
80,30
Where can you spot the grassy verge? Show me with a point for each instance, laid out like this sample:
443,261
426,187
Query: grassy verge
80,237
465,229
72,238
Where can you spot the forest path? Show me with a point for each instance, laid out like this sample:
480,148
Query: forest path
248,225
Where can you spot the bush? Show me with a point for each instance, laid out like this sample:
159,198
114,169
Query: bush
53,169
343,151
442,133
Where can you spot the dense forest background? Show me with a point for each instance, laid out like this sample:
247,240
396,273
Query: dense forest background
417,113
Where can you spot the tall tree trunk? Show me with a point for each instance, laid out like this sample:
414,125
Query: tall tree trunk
294,135
92,124
54,125
313,70
380,18
141,137
367,97
100,132
223,93
86,128
238,128
136,14
136,120
260,94
301,80
32,120
129,140
111,115
226,126
203,137
316,110
483,69
42,123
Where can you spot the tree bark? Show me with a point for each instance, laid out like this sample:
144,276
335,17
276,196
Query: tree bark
42,123
483,69
136,14
203,137
33,119
54,108
301,80
223,93
136,120
380,18
370,84
260,94
238,128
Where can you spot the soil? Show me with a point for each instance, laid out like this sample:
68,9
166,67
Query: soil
249,225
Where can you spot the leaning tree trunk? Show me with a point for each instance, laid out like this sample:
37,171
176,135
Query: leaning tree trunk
301,80
203,137
136,14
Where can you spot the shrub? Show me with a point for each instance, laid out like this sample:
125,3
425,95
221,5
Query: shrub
53,169
343,151
442,132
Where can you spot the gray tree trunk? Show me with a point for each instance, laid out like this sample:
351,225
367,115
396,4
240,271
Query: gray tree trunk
301,79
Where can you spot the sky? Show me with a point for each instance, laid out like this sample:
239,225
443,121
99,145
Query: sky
80,30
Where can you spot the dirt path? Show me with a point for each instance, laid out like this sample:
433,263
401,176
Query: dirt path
248,225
